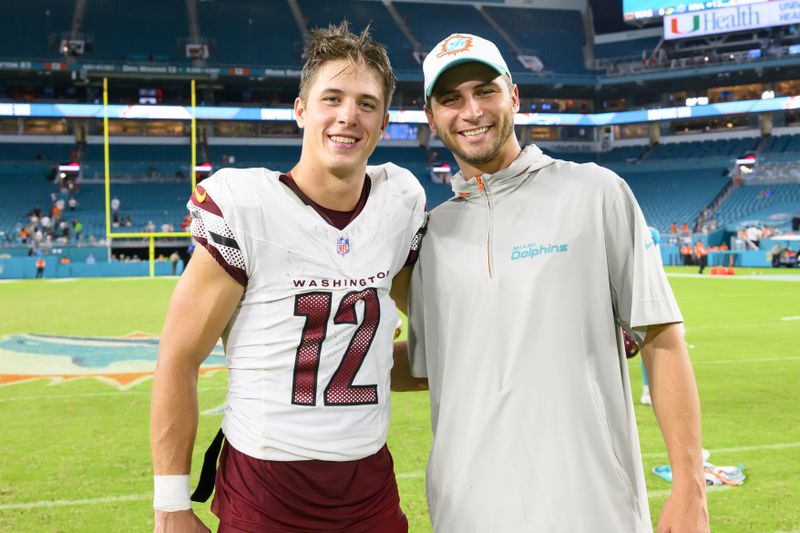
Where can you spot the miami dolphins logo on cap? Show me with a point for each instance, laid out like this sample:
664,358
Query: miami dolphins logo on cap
455,44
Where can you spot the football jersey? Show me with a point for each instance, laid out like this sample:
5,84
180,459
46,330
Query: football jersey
309,348
516,308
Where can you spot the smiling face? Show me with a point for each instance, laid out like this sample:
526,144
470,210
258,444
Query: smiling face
472,111
343,116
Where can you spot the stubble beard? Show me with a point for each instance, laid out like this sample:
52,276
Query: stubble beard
481,156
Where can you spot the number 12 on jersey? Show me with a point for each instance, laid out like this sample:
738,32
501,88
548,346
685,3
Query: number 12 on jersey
316,307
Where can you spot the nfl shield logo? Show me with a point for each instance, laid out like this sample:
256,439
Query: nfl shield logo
342,245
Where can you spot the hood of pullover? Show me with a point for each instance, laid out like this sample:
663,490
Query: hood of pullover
504,181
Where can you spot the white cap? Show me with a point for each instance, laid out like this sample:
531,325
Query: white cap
456,49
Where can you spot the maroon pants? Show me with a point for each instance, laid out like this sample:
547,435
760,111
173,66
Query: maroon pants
253,495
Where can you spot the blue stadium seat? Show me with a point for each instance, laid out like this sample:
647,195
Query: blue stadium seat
251,32
747,200
148,29
430,23
320,13
31,23
626,48
556,36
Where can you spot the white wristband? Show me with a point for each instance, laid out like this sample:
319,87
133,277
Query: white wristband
171,493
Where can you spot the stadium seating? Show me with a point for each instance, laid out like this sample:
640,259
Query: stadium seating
281,158
622,154
729,148
668,196
251,32
430,23
147,31
46,153
747,200
781,144
21,193
556,36
696,175
320,13
134,161
31,24
625,48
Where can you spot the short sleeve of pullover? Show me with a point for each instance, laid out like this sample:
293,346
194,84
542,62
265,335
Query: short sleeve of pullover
641,293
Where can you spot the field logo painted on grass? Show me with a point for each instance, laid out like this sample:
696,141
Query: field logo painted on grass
119,361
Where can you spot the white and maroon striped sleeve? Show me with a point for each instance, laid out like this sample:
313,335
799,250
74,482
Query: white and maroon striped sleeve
210,229
416,243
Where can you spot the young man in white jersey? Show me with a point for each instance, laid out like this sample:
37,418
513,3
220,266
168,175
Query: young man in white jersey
294,272
523,284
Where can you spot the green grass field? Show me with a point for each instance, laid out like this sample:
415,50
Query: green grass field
76,453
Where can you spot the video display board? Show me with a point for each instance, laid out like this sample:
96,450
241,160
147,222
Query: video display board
634,10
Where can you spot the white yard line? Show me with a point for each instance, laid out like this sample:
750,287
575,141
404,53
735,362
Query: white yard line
749,277
787,318
746,360
90,394
87,501
666,492
138,497
778,446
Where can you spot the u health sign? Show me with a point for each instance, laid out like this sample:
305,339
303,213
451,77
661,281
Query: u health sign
731,19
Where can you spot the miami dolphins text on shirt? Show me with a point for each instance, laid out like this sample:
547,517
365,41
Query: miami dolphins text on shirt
531,250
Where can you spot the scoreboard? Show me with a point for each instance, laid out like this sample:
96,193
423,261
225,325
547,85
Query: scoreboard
635,10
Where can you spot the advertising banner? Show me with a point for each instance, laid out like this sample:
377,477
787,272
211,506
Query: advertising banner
731,19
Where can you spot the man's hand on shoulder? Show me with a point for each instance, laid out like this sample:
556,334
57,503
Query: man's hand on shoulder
179,522
686,510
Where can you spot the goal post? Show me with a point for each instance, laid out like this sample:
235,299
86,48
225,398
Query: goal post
150,236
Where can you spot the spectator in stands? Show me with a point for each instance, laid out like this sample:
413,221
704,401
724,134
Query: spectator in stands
174,258
77,229
72,203
149,227
685,229
63,229
505,425
115,203
40,264
700,255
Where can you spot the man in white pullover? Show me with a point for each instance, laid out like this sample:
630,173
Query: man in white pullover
524,282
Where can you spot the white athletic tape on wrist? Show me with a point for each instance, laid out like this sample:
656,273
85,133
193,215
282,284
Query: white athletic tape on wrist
171,493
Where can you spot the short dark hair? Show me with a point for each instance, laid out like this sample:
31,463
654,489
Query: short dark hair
338,42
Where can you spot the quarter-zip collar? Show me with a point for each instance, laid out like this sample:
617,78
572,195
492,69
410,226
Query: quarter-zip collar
503,182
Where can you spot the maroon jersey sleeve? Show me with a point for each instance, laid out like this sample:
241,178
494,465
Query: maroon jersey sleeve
210,229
